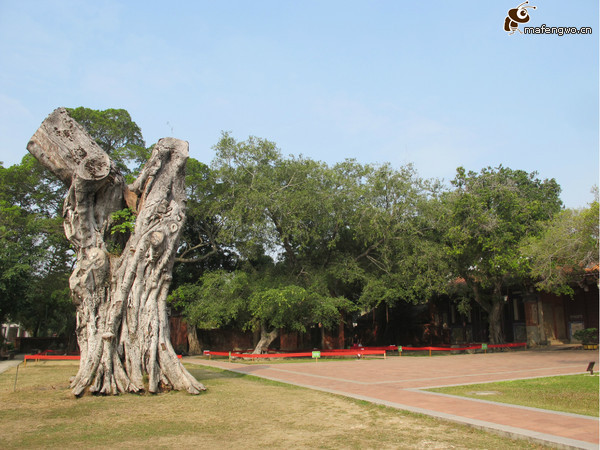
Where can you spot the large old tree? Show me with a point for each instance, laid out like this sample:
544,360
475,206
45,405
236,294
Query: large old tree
489,216
121,279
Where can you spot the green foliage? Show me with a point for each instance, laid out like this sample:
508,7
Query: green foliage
263,202
250,300
587,336
403,253
312,240
349,222
47,308
218,299
280,303
123,221
202,246
117,134
286,306
569,244
285,242
489,215
122,224
35,257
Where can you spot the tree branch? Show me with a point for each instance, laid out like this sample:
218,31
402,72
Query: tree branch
370,249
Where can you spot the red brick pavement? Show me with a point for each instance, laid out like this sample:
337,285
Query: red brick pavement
397,382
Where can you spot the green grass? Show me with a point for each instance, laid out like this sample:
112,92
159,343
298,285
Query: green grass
576,394
236,411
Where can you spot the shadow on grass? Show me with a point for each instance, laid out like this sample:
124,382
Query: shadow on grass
204,374
209,373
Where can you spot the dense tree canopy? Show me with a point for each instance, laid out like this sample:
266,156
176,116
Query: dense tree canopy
35,258
274,242
279,208
568,246
117,134
338,238
490,214
400,231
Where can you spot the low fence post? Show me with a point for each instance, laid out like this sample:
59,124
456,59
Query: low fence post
16,376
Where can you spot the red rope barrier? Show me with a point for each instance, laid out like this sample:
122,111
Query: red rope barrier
337,352
343,350
519,344
361,351
354,352
53,357
441,349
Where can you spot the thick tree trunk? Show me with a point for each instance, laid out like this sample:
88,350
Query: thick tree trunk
266,338
193,343
122,323
495,326
493,306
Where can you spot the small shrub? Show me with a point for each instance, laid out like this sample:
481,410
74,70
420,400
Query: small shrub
587,336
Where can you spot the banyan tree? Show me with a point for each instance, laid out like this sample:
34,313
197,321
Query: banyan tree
121,279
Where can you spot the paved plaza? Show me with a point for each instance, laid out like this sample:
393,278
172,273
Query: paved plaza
399,382
10,363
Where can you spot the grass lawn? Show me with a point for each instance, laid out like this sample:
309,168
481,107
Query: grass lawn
572,393
236,412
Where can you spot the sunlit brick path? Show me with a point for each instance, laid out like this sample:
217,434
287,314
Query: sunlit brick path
397,382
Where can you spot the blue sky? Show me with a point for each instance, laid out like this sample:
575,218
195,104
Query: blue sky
438,84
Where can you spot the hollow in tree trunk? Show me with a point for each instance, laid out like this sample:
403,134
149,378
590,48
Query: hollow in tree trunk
120,281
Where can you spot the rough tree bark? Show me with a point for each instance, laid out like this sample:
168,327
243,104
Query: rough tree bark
493,306
122,323
495,319
266,338
193,342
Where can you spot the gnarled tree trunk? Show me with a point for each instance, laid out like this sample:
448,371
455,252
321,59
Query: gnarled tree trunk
266,338
194,347
493,305
122,323
495,319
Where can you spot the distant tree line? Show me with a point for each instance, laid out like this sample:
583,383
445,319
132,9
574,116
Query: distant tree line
274,242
